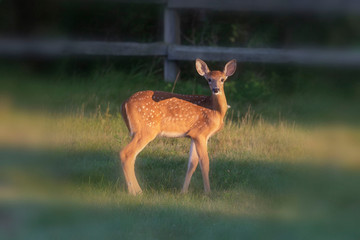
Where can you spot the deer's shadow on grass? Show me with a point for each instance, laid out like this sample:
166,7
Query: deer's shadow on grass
101,169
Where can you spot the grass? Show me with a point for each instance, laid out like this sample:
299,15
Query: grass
293,175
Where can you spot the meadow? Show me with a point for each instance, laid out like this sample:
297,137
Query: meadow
287,167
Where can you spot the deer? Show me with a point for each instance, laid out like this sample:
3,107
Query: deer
148,114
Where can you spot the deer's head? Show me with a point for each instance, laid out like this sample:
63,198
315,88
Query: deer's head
216,79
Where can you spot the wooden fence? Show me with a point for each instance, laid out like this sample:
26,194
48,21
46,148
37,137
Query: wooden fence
173,51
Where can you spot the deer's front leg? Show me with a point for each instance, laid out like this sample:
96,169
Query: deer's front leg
201,148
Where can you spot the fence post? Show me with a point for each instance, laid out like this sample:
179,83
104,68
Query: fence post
171,36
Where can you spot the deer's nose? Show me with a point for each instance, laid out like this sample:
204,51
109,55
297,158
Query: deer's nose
216,90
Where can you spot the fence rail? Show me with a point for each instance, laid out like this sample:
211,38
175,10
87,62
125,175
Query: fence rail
172,50
266,55
56,48
17,47
309,6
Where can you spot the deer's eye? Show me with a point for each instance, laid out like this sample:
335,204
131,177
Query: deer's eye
209,80
222,80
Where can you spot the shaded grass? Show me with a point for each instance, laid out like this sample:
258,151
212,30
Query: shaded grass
255,199
139,221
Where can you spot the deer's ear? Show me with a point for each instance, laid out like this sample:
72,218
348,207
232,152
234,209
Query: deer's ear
201,67
230,68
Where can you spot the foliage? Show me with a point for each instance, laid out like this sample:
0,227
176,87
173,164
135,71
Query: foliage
114,21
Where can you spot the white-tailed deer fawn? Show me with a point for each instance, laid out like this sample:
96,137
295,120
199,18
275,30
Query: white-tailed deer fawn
149,114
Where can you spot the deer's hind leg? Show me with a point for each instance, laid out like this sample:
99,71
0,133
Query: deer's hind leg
193,162
128,157
201,148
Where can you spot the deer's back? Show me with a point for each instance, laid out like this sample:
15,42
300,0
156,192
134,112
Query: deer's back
168,114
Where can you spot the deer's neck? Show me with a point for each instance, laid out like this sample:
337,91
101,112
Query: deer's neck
219,103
